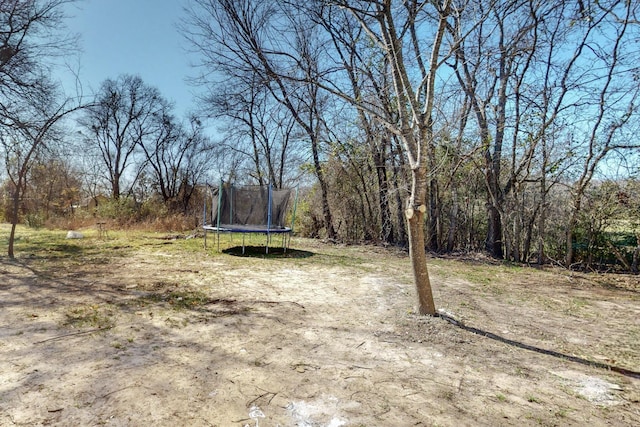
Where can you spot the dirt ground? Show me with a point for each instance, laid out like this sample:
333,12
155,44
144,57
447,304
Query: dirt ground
157,333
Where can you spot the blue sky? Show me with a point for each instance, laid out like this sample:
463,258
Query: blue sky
134,37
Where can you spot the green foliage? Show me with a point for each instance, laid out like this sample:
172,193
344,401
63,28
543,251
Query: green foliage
308,213
179,299
608,223
34,220
152,208
94,316
123,209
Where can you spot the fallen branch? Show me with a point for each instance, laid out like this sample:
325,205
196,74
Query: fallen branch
233,301
252,402
619,255
59,337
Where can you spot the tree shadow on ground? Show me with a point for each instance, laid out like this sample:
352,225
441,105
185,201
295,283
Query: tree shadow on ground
563,356
263,252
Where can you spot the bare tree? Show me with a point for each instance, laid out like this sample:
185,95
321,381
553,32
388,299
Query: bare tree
31,35
492,55
177,155
551,88
386,24
53,187
367,74
22,140
246,39
610,95
125,113
259,128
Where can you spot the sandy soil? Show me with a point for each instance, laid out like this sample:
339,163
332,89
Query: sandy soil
152,335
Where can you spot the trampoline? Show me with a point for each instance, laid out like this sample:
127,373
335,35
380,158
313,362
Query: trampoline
249,209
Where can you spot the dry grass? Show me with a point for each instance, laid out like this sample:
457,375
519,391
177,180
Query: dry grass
152,320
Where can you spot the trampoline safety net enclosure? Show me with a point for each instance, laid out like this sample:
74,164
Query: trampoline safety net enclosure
249,209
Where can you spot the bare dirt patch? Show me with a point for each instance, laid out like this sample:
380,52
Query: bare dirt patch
159,334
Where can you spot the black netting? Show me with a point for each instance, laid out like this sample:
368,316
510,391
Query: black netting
249,207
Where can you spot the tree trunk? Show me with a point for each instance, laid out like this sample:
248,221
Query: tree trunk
15,208
380,161
573,221
115,187
516,239
418,255
528,238
636,252
541,235
453,219
543,206
433,215
417,252
569,255
398,169
324,193
12,238
493,243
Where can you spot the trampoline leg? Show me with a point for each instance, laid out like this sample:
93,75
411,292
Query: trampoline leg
242,243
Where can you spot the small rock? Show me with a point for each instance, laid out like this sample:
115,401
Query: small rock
74,235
